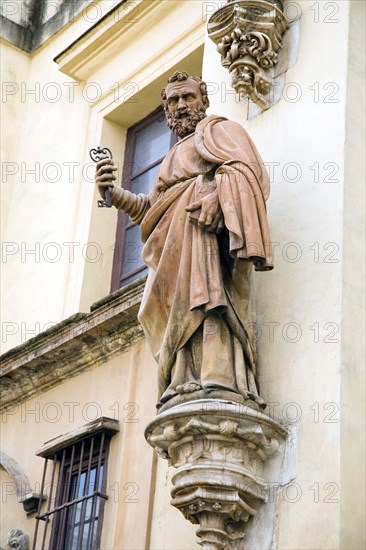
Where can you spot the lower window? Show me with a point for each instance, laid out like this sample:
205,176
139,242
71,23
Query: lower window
76,497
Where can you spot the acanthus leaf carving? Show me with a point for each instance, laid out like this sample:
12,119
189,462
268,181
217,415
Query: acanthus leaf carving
248,35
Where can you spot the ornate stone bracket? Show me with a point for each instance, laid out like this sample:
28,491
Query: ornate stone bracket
24,493
248,35
220,450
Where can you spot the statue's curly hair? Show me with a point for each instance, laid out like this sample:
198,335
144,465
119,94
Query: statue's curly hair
178,76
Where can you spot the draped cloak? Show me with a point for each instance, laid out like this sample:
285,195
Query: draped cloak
197,310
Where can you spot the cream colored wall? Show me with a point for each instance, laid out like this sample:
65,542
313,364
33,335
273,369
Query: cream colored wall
14,69
169,528
70,283
12,513
298,378
97,275
303,378
73,240
124,388
353,296
42,212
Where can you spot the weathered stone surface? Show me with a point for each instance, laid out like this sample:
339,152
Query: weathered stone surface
24,493
74,345
17,540
29,23
220,450
204,227
248,35
110,425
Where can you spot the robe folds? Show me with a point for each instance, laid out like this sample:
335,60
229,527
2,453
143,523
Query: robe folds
197,309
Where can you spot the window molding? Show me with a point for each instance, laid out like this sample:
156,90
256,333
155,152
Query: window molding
109,425
96,47
97,41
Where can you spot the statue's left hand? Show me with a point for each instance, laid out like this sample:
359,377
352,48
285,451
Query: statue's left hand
210,216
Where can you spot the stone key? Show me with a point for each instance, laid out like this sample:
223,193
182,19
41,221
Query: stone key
96,155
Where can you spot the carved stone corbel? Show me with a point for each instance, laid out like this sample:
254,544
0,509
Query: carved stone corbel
24,493
248,35
220,450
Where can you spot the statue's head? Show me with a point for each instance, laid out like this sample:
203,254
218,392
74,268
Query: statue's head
185,102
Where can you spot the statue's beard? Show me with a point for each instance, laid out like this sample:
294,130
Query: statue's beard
184,121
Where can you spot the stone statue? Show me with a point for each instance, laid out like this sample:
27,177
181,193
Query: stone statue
203,226
17,539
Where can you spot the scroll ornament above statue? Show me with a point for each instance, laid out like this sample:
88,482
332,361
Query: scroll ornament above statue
248,35
204,226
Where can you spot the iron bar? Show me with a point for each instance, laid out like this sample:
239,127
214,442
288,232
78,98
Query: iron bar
50,498
39,504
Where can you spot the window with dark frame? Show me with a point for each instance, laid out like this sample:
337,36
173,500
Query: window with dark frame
77,493
147,143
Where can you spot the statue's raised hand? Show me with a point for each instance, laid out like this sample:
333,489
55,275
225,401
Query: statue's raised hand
104,176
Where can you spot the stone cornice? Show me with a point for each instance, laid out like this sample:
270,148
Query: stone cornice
78,343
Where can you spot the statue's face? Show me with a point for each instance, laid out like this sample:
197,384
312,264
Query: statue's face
184,105
183,95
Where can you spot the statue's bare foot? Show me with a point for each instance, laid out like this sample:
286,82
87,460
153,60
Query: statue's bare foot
189,387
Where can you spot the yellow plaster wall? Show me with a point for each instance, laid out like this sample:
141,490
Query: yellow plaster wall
124,388
302,379
59,244
14,70
12,513
353,337
65,212
301,300
45,217
169,528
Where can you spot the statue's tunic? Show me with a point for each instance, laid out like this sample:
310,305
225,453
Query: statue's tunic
197,309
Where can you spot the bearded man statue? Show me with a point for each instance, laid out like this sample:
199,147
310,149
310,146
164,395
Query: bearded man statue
204,227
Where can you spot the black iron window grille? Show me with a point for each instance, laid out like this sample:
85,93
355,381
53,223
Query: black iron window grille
76,490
